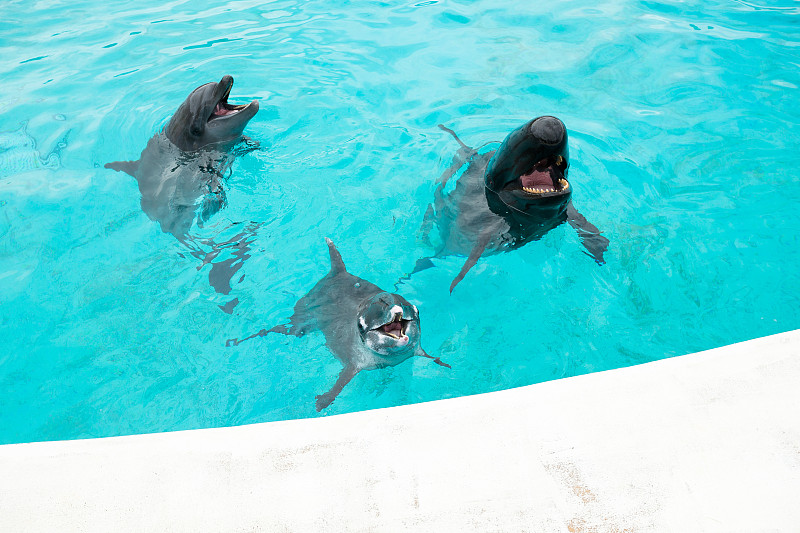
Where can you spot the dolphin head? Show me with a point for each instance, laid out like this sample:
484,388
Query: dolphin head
206,117
529,170
389,325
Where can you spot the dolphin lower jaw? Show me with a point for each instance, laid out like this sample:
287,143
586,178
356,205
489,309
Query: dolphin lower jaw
393,338
538,206
546,179
230,123
395,329
222,109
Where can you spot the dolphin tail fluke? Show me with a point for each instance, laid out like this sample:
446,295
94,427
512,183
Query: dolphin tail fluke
337,265
129,167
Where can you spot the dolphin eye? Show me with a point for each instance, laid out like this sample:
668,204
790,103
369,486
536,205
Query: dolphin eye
196,131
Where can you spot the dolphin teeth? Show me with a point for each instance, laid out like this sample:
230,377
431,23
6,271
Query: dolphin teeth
544,190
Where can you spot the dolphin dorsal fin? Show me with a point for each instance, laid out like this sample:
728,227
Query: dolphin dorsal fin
337,265
129,167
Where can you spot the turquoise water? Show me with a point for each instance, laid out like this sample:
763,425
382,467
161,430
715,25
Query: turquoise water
684,130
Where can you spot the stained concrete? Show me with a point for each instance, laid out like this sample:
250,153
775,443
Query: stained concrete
703,442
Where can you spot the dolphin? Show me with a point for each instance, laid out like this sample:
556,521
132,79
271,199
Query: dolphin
188,159
181,170
506,198
364,326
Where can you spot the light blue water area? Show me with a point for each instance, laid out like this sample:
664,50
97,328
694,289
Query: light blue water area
684,131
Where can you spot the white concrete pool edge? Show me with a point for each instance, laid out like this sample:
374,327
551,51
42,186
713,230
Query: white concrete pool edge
702,442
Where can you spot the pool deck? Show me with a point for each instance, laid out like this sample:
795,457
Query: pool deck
703,442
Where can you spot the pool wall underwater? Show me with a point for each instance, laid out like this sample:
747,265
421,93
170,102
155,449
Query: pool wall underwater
702,442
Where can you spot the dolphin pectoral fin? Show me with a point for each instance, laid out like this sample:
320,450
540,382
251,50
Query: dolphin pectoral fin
283,329
129,167
292,329
474,255
324,400
422,264
464,153
212,204
436,360
590,236
237,342
451,132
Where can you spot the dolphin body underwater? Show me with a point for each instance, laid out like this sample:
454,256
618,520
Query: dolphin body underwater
507,198
187,160
364,326
181,170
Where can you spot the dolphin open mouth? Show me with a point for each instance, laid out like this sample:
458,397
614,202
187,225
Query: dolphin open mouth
396,328
546,178
223,108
